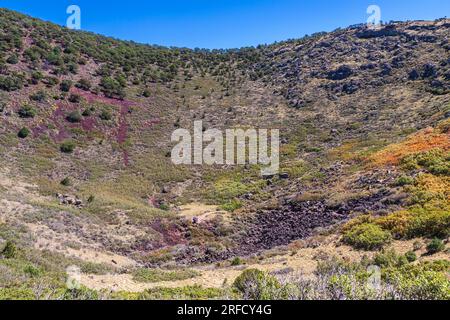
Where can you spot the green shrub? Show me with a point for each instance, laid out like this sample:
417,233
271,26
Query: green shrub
157,275
147,93
429,220
404,181
38,96
232,205
23,133
367,236
54,58
27,111
164,206
389,258
17,294
32,271
67,147
436,245
435,161
13,59
105,115
96,268
237,261
84,84
82,293
66,182
254,284
51,81
74,116
65,85
87,112
10,250
75,98
36,76
112,88
419,282
411,256
184,293
11,83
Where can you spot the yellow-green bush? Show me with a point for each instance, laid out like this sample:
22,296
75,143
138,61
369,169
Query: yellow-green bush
254,284
418,221
418,283
367,236
435,161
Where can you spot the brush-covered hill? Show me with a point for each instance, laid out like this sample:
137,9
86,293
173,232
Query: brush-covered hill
86,177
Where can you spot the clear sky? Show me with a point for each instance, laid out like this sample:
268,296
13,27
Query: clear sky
222,23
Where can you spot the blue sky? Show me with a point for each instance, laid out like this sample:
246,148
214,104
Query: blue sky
222,23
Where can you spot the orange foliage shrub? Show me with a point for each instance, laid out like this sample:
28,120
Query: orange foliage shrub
422,141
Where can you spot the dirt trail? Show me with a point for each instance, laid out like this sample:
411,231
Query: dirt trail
201,212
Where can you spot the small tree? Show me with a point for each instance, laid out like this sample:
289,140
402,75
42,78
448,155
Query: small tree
23,133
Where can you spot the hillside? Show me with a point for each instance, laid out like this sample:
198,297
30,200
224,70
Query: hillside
86,177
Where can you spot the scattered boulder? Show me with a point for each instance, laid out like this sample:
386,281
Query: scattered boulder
389,31
350,87
284,175
69,200
340,73
437,84
447,76
413,75
386,70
